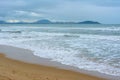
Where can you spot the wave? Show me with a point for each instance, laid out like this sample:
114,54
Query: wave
68,35
85,48
87,31
11,31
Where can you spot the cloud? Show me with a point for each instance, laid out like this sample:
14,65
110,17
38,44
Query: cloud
107,3
22,15
76,11
106,11
28,13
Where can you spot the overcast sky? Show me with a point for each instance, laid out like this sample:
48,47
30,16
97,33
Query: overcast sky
104,11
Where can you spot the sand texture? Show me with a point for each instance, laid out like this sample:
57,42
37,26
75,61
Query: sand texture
16,70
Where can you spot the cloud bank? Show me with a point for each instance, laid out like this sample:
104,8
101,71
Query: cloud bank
106,11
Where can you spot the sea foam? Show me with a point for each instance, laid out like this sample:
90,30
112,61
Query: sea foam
88,48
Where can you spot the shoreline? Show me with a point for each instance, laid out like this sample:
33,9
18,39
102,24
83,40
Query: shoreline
16,70
34,60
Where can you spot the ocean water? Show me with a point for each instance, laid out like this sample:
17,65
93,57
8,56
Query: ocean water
88,47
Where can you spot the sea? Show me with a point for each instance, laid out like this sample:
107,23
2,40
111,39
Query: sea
92,47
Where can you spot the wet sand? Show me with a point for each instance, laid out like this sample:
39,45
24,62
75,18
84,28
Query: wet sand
16,70
21,64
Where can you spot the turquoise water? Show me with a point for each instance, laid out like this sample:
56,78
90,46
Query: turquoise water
88,47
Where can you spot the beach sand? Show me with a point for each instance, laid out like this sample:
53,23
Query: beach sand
16,70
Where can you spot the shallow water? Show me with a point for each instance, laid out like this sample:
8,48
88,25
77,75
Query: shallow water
89,47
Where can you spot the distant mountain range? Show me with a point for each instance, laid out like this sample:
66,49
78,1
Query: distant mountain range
45,21
89,22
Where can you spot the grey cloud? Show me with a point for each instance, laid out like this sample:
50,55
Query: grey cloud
68,10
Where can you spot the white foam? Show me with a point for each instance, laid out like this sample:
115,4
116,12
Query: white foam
85,51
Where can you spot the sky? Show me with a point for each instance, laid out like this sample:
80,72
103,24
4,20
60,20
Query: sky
104,11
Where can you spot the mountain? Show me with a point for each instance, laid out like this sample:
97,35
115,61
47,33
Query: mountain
88,22
44,21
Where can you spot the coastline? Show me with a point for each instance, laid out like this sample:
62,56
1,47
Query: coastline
25,56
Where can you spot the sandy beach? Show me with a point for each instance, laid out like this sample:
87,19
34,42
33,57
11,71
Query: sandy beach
59,40
16,70
11,69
